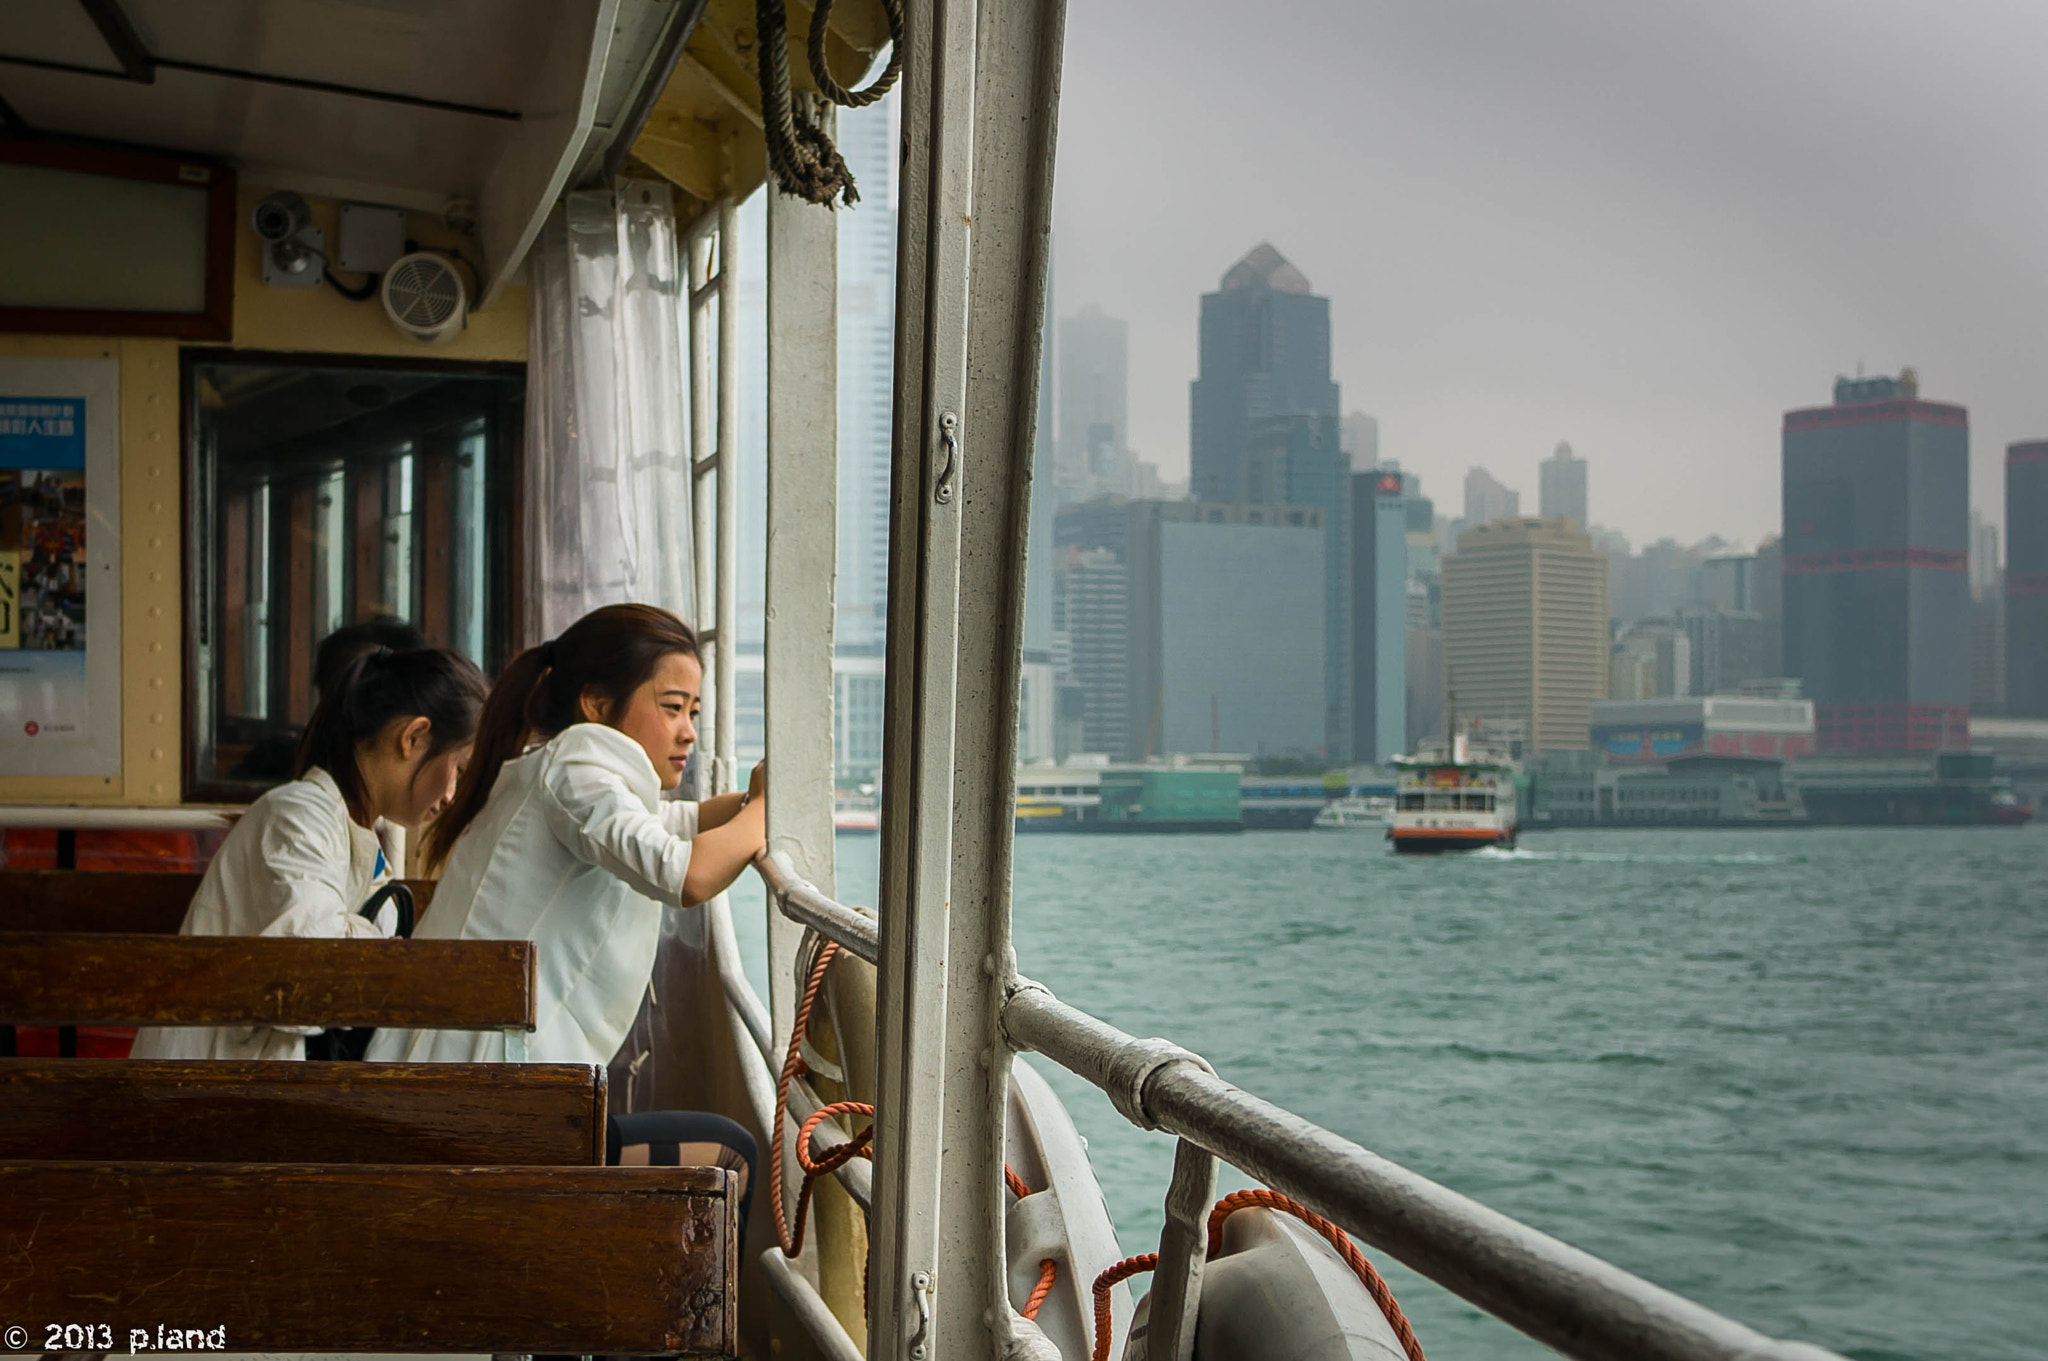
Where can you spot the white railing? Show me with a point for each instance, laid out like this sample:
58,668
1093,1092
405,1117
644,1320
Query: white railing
1567,1299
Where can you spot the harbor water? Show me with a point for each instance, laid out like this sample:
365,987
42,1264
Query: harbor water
1799,1076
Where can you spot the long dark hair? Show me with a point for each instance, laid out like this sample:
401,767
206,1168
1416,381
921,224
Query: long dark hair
379,686
612,650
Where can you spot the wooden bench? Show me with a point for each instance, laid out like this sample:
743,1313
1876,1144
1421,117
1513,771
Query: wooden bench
86,979
297,1258
101,900
226,1110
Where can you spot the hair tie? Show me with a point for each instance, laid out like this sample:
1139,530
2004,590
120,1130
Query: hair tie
382,654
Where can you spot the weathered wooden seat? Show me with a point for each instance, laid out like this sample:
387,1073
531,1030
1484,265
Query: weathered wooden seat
145,1110
100,900
297,1258
58,978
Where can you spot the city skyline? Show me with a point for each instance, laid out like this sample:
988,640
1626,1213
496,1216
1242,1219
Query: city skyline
1511,264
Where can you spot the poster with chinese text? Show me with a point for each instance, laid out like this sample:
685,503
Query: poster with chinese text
60,616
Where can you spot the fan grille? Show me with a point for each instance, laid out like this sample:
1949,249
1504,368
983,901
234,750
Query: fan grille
423,292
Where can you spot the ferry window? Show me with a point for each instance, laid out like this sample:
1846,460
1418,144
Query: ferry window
1411,801
323,494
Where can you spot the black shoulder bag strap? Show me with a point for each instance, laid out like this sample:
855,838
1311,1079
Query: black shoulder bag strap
352,1042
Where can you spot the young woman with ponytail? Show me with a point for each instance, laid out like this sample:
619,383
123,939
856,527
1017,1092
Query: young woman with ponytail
558,834
387,741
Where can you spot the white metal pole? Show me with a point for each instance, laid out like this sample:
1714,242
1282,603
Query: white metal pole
725,621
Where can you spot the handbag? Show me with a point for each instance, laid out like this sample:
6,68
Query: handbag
350,1043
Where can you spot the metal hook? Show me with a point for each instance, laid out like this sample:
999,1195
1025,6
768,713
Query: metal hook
949,427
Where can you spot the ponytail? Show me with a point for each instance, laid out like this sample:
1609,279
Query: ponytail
374,689
612,650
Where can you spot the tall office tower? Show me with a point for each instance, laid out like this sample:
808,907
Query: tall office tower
1299,461
1767,598
1562,493
1379,616
1362,439
1651,660
1987,653
1227,629
1093,617
1487,500
1728,580
1876,566
1525,628
1983,554
1728,646
867,354
1265,354
2026,579
1094,394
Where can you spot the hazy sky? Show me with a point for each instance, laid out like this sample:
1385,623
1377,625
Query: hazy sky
1648,227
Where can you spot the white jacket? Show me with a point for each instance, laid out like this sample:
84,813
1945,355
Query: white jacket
576,852
295,864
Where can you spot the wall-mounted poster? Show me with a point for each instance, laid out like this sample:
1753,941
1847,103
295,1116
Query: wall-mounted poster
60,567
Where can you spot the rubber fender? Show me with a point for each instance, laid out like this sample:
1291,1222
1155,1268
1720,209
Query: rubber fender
1278,1292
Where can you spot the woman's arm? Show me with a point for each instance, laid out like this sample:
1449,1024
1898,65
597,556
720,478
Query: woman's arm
721,808
719,854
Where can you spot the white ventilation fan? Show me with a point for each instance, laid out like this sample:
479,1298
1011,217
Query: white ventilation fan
425,297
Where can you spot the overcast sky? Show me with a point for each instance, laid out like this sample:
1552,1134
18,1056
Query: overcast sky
1647,227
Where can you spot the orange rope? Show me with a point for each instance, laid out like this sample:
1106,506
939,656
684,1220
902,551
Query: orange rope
838,1155
1375,1285
1122,1271
1048,1272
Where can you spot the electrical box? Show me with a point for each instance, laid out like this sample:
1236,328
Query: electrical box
371,238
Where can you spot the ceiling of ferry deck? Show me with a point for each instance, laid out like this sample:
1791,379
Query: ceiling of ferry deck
481,55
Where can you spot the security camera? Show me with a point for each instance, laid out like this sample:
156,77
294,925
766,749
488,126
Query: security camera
280,217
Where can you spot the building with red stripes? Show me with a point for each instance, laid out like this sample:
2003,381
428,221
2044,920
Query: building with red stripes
2026,579
1876,566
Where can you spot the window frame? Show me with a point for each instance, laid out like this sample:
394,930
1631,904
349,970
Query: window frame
504,504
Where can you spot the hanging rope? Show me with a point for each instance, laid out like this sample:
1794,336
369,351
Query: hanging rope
1374,1284
805,162
822,72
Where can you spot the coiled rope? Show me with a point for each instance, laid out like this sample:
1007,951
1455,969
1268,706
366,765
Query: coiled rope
803,157
1375,1284
861,1145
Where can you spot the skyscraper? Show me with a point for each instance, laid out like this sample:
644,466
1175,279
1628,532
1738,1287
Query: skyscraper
1094,394
1876,566
1487,500
1562,489
2026,579
1265,354
867,361
1525,628
1379,616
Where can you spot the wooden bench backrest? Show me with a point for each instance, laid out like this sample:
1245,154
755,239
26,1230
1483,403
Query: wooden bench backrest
54,978
375,1259
100,900
225,1110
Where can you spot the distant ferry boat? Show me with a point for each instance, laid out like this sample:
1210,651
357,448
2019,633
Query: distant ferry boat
859,816
1458,799
1356,813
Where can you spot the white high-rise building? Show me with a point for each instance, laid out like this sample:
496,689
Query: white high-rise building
1562,486
1487,500
867,327
1093,405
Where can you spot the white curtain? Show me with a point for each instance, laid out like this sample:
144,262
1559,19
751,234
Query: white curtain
607,514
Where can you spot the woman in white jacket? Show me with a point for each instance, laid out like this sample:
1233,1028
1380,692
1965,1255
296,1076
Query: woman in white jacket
558,834
387,741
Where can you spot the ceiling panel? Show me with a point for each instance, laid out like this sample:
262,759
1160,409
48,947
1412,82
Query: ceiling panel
481,52
52,30
276,127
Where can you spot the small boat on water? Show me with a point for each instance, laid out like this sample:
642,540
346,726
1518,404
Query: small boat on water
857,816
1356,813
1454,796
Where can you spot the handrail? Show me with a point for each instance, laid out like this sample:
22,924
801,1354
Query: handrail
1571,1301
800,901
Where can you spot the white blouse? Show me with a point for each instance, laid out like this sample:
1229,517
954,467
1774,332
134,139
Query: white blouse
575,851
295,864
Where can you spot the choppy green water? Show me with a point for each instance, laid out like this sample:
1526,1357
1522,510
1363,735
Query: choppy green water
1801,1077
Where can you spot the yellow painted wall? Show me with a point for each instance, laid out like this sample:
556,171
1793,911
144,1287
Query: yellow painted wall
309,320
